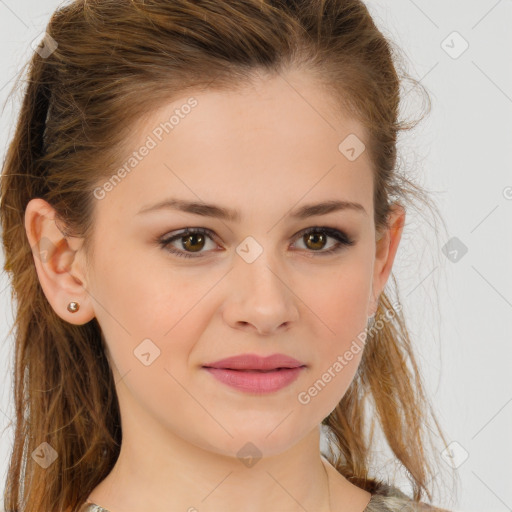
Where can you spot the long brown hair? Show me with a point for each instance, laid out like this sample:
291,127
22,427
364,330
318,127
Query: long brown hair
113,61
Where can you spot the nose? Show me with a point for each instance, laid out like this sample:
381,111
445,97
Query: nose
260,298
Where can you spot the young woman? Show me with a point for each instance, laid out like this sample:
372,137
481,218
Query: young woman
200,211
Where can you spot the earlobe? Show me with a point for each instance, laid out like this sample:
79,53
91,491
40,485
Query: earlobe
59,269
386,248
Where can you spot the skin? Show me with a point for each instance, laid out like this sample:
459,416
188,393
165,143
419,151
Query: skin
264,150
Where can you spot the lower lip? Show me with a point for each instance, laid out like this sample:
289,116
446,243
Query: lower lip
254,381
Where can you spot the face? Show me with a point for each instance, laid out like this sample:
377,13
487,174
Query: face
170,303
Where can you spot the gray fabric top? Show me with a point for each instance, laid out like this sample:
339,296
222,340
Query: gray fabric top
385,498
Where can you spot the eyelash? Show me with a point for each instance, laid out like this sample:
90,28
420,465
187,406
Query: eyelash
342,238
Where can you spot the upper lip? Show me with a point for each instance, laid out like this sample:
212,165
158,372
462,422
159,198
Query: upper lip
255,362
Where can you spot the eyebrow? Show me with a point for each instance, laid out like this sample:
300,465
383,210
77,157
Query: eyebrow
212,210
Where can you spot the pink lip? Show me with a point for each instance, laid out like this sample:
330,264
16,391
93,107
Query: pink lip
255,362
255,374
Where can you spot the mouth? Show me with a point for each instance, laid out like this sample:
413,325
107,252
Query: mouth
256,381
255,370
255,363
255,374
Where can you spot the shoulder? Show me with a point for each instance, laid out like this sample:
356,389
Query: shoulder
91,507
388,498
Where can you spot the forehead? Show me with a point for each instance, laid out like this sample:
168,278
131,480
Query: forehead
268,144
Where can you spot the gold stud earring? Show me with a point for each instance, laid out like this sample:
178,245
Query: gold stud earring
73,307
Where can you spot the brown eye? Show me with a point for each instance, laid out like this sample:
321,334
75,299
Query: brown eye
193,242
315,240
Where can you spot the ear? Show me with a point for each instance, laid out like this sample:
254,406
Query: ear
59,263
386,247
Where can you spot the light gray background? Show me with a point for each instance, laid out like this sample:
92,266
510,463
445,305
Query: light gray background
462,152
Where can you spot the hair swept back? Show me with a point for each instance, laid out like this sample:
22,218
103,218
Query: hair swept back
74,115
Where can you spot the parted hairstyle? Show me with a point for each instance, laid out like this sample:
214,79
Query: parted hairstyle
114,62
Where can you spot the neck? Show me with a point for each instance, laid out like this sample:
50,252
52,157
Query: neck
150,477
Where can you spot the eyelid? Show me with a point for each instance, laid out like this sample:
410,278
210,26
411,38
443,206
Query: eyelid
343,240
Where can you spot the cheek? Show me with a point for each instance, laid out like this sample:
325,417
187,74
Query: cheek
164,305
341,297
342,306
143,297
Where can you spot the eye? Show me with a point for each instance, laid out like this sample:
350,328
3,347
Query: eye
193,240
315,236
